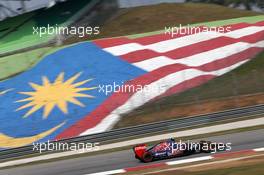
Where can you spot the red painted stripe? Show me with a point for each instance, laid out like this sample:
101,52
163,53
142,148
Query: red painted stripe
228,154
193,49
138,168
216,65
119,98
197,81
110,42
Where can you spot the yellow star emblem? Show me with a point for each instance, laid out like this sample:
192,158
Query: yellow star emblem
59,93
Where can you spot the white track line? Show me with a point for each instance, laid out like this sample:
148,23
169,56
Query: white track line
258,149
196,159
109,172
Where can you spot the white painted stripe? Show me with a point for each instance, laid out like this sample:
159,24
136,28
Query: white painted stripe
168,45
157,88
177,162
197,59
258,149
244,32
109,172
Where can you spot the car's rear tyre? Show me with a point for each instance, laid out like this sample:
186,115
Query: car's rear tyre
147,157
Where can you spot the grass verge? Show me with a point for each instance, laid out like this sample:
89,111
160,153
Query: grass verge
15,64
154,18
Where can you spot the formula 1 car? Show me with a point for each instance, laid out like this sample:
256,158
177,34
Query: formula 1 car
170,149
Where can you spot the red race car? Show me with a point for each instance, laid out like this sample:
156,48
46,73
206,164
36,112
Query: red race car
170,148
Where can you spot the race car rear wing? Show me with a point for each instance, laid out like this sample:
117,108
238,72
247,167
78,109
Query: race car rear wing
139,150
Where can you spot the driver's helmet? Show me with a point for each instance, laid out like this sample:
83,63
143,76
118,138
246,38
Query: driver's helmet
172,139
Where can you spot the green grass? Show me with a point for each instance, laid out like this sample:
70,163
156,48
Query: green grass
20,32
22,26
15,64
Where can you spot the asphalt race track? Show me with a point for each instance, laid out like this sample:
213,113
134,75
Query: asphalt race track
125,159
